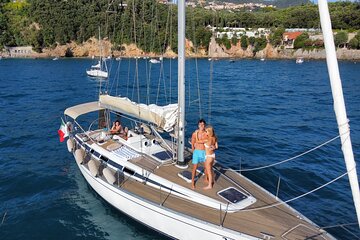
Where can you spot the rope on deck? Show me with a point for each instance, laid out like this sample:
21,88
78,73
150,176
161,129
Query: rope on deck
289,159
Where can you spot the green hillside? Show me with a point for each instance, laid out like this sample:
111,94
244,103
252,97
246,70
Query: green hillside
152,26
277,3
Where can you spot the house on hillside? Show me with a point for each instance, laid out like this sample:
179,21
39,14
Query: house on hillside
289,39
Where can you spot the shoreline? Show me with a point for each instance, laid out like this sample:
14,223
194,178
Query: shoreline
90,49
187,57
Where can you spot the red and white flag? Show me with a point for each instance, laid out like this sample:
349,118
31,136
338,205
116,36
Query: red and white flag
63,131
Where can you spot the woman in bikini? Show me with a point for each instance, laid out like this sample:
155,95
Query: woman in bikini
210,146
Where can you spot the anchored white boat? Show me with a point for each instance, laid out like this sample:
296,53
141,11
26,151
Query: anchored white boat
299,60
100,69
154,61
136,172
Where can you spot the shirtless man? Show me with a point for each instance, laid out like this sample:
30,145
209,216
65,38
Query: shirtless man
198,139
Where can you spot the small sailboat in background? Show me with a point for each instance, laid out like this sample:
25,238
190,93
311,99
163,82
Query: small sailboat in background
100,69
55,58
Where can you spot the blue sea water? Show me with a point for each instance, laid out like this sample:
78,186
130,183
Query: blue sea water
263,112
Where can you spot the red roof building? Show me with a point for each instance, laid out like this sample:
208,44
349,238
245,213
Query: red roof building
289,38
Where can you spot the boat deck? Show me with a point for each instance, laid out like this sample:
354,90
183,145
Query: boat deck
279,222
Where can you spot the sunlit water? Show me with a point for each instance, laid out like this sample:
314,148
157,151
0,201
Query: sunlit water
263,112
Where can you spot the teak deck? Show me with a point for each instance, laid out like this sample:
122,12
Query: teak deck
275,221
279,222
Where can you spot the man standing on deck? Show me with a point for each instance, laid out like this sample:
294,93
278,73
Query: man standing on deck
198,139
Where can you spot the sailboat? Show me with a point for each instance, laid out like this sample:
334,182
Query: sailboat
144,174
99,70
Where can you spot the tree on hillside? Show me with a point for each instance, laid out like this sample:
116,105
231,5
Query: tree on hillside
234,40
260,44
276,36
354,43
244,42
300,40
252,41
341,38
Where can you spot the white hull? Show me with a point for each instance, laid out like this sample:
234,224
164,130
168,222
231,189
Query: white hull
97,73
161,219
155,61
299,60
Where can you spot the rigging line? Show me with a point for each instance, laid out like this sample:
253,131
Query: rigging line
289,159
117,77
165,45
121,42
295,198
196,62
148,83
340,225
158,88
210,88
349,231
135,80
145,48
128,79
170,44
136,77
151,49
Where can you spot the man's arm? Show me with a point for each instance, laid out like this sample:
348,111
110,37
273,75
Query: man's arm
193,141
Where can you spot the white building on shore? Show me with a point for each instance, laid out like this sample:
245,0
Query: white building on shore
25,51
231,32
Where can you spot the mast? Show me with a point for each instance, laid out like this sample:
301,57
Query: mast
181,82
339,103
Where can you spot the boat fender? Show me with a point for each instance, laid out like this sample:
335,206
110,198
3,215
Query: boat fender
79,156
94,167
110,178
70,145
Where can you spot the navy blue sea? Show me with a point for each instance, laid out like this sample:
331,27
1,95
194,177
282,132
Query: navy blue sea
263,112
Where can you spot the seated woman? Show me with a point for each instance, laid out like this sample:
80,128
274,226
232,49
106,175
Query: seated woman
116,128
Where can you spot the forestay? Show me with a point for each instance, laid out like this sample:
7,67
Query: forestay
162,116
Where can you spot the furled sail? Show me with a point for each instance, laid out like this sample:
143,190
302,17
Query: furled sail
163,116
97,65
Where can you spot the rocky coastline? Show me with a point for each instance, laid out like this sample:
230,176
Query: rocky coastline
90,49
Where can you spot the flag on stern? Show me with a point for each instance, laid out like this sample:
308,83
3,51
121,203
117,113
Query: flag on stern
63,131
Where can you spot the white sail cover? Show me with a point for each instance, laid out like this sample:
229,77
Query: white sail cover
81,109
163,116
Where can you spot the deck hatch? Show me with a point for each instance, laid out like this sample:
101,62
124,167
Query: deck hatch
164,155
232,195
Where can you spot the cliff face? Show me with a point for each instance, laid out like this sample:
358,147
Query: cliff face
91,48
217,51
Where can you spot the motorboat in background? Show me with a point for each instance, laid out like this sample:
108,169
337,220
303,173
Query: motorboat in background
299,60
